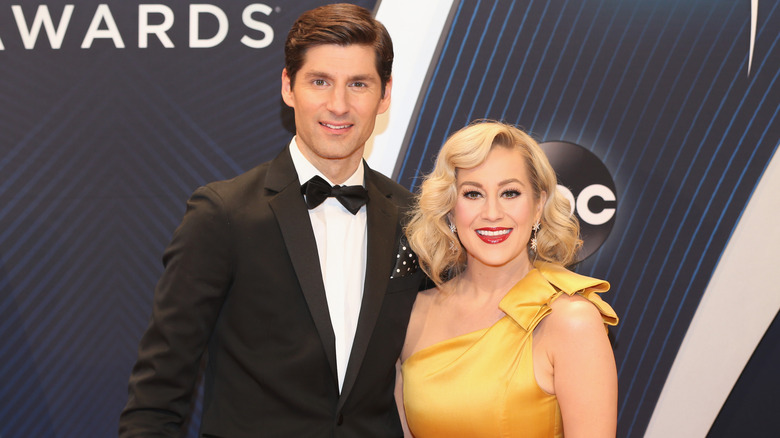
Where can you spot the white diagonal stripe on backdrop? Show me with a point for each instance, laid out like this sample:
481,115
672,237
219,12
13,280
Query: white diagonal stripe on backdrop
703,374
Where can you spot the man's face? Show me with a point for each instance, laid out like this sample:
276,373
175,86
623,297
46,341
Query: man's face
336,97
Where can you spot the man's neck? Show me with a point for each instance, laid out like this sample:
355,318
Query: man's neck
337,171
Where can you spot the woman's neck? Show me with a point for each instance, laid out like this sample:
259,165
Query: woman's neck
492,280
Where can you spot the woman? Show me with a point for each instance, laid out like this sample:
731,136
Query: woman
509,342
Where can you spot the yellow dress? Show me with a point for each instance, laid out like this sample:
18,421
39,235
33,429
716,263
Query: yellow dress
482,384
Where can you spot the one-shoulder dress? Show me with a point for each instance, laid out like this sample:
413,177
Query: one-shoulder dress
482,384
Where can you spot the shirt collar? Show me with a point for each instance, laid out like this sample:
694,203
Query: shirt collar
306,170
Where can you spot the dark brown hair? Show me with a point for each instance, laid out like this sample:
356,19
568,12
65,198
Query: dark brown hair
342,24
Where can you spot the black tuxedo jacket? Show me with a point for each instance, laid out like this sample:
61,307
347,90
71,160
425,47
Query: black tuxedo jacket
242,285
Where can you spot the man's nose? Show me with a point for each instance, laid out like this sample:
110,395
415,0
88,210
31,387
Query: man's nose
338,101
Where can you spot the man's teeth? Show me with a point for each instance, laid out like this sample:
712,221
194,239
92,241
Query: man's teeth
494,233
328,125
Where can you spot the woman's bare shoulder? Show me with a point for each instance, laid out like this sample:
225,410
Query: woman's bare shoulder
574,313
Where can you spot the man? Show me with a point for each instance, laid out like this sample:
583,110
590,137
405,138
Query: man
301,311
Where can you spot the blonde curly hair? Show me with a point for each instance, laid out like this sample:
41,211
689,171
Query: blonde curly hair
440,253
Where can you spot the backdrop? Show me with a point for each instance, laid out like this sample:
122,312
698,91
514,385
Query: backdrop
113,112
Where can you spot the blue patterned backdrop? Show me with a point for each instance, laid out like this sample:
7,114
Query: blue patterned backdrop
661,92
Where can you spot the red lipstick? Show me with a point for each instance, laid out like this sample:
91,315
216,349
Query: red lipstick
493,235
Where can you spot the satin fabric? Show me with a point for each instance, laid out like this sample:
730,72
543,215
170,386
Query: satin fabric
482,384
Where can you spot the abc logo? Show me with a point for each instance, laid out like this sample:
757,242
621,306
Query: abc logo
587,184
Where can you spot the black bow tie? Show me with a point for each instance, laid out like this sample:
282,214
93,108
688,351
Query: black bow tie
317,190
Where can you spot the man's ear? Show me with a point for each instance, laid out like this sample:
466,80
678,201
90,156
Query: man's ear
287,92
384,104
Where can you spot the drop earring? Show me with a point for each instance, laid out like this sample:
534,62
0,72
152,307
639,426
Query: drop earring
536,227
454,230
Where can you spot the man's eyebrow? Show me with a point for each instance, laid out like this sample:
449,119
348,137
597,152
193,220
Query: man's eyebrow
317,74
363,78
324,75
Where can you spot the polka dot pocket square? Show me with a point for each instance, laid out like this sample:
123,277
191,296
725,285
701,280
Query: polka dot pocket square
405,260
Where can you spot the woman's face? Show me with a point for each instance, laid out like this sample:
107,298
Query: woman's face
496,209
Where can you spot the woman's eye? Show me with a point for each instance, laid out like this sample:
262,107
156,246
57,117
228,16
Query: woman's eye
472,194
511,194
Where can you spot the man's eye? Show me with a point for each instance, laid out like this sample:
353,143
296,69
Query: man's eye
359,84
319,82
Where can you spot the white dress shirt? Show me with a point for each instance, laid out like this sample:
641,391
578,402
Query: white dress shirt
341,244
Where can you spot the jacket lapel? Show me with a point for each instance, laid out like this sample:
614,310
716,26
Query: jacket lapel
293,219
382,225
